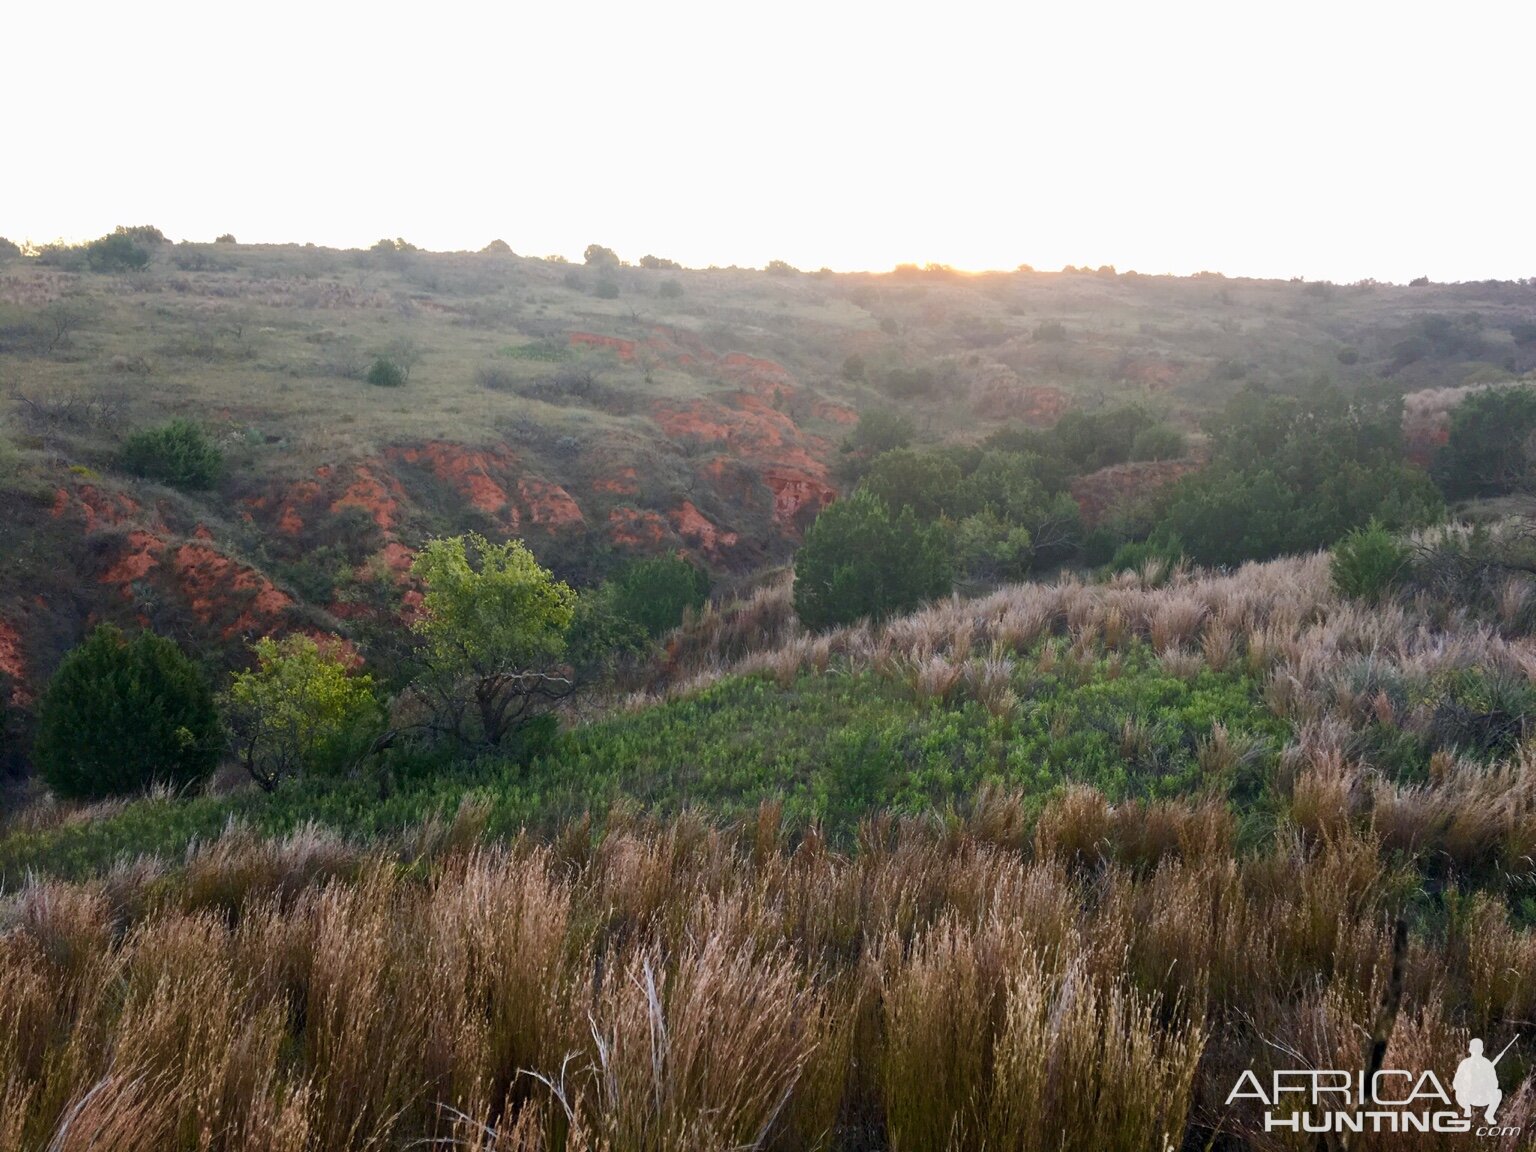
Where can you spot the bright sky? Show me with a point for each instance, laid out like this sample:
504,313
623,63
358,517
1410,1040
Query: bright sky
1333,140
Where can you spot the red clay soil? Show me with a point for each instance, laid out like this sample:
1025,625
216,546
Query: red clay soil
379,499
139,557
637,528
797,496
549,505
1101,492
694,526
13,665
623,482
210,581
625,348
834,413
96,507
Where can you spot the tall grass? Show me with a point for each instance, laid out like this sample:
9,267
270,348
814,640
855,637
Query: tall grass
1095,982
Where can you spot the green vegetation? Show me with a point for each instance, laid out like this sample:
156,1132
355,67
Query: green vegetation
658,591
123,715
1369,562
116,253
861,560
299,712
385,373
1290,475
493,625
1489,450
179,454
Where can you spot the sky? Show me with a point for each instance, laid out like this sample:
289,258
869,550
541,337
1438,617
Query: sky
1335,141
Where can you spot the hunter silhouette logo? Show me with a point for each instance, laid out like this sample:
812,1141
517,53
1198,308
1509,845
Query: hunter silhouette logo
1477,1081
1337,1100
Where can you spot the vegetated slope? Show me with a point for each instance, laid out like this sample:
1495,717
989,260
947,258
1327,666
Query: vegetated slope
597,411
1085,954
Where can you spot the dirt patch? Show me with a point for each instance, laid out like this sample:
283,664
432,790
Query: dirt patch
637,528
1100,493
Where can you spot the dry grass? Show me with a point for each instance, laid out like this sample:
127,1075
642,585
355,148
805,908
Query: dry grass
1097,982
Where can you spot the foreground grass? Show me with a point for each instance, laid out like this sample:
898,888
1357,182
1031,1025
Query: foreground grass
831,748
1092,980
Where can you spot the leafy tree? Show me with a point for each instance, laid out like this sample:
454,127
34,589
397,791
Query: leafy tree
116,253
226,238
878,430
1158,442
669,290
179,454
493,627
989,548
925,482
298,711
861,560
659,264
1492,446
596,256
601,638
657,591
605,290
9,249
122,714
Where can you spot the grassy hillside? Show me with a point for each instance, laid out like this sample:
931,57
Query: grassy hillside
597,411
874,888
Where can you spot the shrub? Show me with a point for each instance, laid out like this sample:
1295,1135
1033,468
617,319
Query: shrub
1487,453
226,238
859,559
1368,562
298,711
9,249
657,591
385,373
596,256
116,253
660,264
179,454
122,715
605,290
669,289
1158,442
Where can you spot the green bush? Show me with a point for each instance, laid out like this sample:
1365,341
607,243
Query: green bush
657,591
1368,562
1488,452
9,249
385,373
121,715
859,559
116,253
179,454
1158,442
669,290
606,290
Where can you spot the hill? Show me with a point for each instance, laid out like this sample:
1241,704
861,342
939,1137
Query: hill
598,411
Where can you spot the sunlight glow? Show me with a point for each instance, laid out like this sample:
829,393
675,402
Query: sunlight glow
1321,140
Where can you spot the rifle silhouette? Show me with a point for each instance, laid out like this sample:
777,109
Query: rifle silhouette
1507,1047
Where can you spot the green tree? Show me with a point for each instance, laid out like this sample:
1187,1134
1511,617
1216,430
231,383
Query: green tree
596,256
493,629
179,454
116,253
925,482
656,592
385,373
1491,450
989,548
121,715
861,560
299,712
